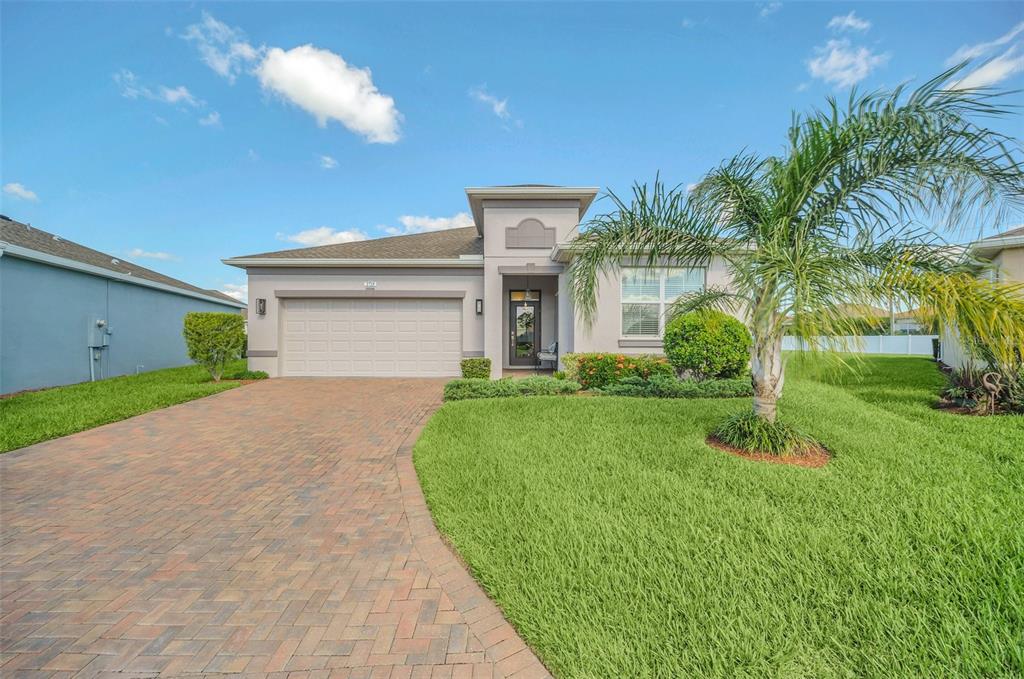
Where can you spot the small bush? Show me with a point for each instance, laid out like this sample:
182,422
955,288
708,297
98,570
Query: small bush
707,344
244,374
559,375
464,389
668,386
595,371
476,368
986,392
214,339
571,364
754,434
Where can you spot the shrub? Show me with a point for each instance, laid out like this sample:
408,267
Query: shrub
986,392
707,344
571,364
244,374
470,388
476,368
595,371
754,434
668,386
214,339
559,375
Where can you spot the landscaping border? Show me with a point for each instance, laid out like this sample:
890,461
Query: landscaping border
502,643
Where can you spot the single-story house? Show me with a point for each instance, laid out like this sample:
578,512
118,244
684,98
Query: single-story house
69,313
1006,252
415,305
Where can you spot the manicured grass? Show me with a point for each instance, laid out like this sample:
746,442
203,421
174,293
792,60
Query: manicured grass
42,415
620,545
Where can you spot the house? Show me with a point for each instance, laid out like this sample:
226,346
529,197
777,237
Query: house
1006,252
69,313
414,305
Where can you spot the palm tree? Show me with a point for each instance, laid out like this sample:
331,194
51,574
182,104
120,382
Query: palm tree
834,222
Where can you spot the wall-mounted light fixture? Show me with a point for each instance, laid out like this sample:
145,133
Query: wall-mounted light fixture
261,307
479,307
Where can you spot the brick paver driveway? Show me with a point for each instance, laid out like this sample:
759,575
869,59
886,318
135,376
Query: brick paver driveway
273,529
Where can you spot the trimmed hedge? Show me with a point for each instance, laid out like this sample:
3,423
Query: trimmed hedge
707,344
597,370
664,386
470,388
214,339
476,368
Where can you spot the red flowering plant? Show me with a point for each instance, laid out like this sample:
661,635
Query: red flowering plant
595,371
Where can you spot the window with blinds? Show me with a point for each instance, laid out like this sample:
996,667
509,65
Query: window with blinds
647,293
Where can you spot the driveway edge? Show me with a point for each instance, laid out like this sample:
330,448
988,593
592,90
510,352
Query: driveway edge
502,644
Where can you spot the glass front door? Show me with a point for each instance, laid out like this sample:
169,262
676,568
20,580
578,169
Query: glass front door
524,327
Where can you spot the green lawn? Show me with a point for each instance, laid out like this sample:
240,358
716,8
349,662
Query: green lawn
37,416
620,545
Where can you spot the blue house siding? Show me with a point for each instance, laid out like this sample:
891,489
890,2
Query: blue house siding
48,313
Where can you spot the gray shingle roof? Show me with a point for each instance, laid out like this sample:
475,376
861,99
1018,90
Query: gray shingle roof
448,244
1018,231
32,238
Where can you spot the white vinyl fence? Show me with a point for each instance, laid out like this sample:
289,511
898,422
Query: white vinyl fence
907,345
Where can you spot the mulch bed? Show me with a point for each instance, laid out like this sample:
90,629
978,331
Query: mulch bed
817,457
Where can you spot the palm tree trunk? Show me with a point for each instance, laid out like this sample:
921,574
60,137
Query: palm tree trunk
766,374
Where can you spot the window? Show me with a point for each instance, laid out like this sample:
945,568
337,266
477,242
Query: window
648,293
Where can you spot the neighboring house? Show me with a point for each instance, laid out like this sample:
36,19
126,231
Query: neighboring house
415,305
70,314
1006,251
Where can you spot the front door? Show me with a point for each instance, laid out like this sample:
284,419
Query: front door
524,327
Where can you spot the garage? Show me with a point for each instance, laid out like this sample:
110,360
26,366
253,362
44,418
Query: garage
371,337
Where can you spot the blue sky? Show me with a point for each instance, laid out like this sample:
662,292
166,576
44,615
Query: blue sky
178,134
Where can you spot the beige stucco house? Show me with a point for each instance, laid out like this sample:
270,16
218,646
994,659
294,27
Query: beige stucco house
1006,252
415,305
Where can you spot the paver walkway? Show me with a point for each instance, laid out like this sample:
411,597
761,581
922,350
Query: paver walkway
276,529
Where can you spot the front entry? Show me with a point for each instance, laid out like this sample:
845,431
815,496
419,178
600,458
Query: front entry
524,326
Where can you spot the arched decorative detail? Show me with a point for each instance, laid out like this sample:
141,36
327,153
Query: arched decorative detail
530,233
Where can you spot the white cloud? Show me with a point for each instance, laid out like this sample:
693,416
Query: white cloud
499,106
996,69
992,72
328,163
687,23
770,8
421,224
322,83
223,48
211,120
981,49
179,94
236,290
843,64
19,190
690,187
139,253
132,88
802,87
849,22
323,235
252,155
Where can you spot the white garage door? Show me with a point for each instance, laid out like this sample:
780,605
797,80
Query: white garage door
371,337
